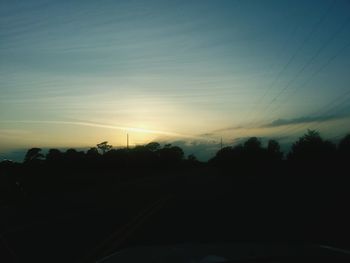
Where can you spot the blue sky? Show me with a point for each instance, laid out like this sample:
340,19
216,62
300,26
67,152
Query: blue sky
74,73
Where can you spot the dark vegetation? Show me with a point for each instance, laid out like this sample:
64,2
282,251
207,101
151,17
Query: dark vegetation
309,156
301,195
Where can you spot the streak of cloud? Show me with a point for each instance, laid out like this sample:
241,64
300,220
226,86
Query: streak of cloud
301,120
105,126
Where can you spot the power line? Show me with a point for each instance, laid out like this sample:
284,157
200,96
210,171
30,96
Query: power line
301,46
322,67
342,96
299,49
311,60
292,58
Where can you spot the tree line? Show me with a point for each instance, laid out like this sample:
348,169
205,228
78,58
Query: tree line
310,147
103,156
309,155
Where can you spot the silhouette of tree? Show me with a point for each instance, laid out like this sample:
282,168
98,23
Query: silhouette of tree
153,146
192,158
71,153
92,153
74,157
144,155
54,156
237,152
344,148
117,157
33,155
92,158
170,154
274,151
252,144
224,151
10,186
253,151
223,156
104,147
311,147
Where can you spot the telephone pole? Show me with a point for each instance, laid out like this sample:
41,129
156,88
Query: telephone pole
221,143
127,141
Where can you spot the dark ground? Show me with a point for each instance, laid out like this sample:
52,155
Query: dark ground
200,206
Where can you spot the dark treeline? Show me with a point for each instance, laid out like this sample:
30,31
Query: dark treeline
311,147
104,157
73,170
304,192
309,155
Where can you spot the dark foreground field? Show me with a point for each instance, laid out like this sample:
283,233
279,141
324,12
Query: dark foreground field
200,206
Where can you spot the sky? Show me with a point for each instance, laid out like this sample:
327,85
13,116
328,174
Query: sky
75,73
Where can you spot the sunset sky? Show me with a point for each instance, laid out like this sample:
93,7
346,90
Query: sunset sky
75,73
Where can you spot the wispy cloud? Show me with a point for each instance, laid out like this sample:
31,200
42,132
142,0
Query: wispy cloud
230,128
282,122
300,120
105,126
274,124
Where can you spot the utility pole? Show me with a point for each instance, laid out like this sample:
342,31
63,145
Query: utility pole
127,141
221,143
